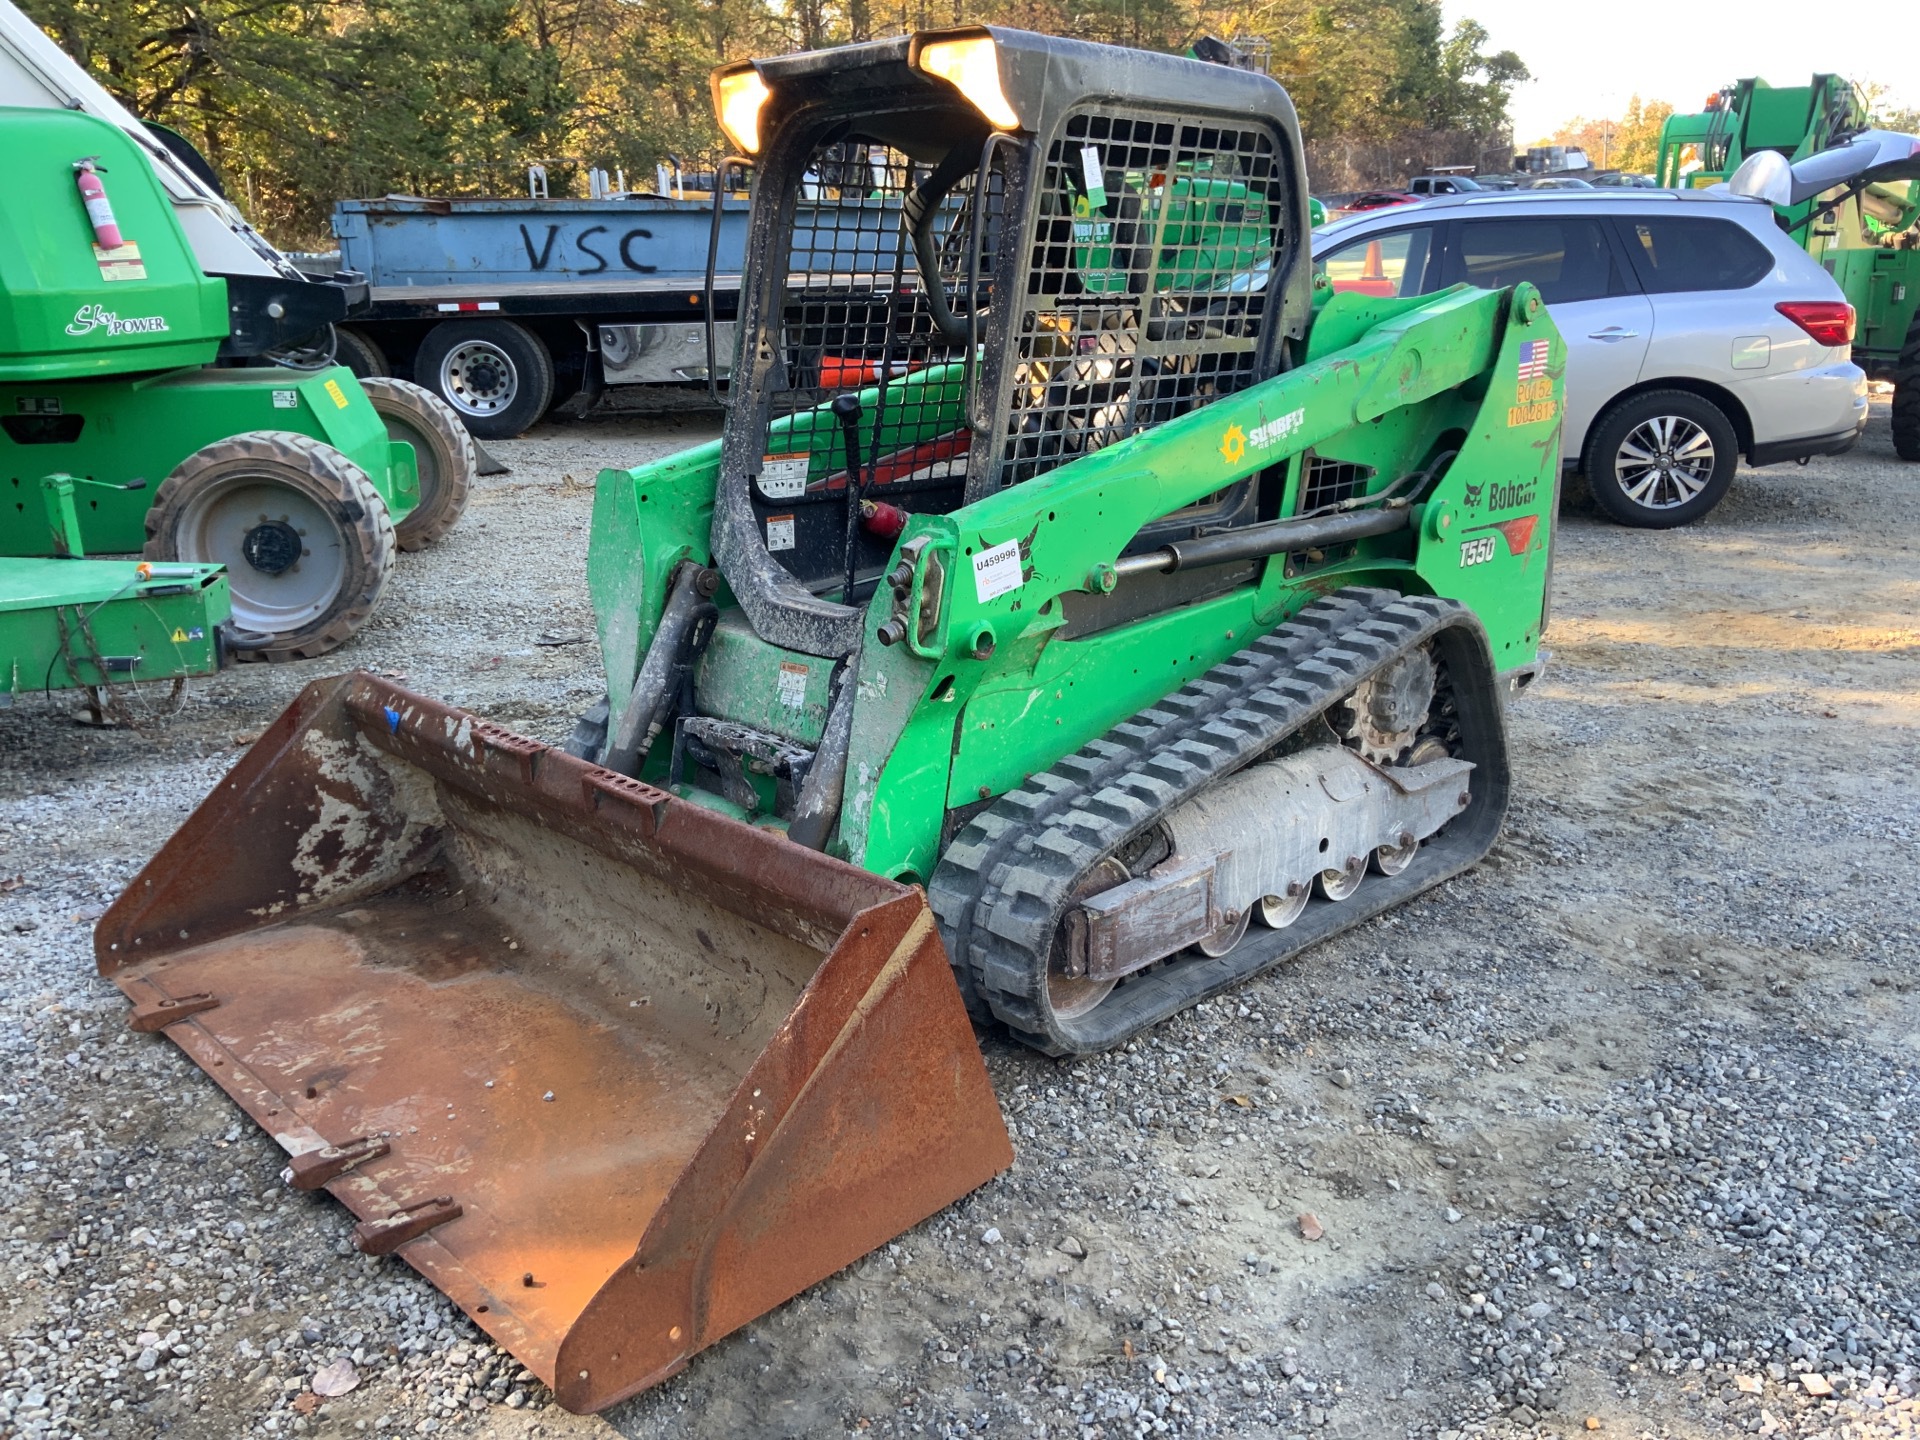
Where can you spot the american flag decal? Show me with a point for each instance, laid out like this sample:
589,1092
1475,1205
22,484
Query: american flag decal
1533,359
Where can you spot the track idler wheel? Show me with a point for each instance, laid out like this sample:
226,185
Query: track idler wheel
1339,885
1279,911
1223,940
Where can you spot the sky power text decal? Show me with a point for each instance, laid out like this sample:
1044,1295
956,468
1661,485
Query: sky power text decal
89,318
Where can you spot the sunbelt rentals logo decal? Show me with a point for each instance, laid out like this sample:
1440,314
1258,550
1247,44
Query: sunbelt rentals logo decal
89,318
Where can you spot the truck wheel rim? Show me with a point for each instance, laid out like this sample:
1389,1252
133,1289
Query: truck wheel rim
478,378
285,556
1664,462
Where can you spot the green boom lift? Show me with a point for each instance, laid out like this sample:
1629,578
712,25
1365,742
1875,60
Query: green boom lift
1867,235
1080,614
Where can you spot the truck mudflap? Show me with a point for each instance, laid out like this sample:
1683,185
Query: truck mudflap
616,1073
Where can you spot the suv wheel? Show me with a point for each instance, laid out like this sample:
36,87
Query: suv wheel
1661,459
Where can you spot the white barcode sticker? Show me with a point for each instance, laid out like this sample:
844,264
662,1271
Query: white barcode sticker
996,572
783,477
779,532
1093,173
792,684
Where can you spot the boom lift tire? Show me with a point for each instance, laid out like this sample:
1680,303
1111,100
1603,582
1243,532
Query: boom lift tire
497,375
443,450
1906,396
305,537
1635,491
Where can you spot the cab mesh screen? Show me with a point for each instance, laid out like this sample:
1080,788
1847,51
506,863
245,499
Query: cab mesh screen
1147,291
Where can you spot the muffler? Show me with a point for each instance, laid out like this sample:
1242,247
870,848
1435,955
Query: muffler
615,1072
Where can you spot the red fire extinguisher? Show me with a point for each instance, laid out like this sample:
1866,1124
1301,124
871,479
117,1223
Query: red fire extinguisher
106,230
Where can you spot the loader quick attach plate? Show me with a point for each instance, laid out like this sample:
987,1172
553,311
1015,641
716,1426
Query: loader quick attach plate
616,1073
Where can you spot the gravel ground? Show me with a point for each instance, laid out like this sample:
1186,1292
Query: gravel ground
1616,1134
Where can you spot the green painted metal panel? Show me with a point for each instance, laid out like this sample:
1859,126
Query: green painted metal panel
122,432
70,308
59,619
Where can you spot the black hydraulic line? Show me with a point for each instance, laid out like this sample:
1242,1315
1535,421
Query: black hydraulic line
817,806
846,409
685,626
1277,537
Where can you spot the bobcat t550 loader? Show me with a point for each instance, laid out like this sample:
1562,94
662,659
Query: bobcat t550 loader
1079,615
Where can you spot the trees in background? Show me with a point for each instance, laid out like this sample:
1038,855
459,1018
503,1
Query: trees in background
1630,143
296,103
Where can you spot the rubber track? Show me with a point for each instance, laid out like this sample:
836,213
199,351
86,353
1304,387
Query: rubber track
1001,886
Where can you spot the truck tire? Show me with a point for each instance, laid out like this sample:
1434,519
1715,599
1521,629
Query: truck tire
496,375
441,446
1906,396
353,349
304,536
1661,459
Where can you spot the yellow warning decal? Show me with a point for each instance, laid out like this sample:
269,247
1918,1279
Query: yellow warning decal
179,636
1533,403
339,395
1233,445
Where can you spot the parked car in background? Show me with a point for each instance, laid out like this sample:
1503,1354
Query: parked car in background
1556,182
1424,185
1498,181
1624,180
1696,331
1355,202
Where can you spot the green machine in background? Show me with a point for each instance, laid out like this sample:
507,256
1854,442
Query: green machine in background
127,367
1866,235
103,626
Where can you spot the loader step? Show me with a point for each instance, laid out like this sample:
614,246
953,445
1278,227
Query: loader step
1005,885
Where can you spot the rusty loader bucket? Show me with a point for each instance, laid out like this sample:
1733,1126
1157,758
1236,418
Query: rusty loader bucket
616,1073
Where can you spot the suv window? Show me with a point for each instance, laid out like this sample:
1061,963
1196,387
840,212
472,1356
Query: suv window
1568,257
1383,265
1691,252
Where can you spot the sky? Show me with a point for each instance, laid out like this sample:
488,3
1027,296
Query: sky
1591,59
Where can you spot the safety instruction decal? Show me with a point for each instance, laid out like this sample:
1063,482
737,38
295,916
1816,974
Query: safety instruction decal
286,400
182,637
792,685
784,477
123,262
996,572
779,532
339,395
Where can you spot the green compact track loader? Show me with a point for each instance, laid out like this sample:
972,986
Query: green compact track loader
131,370
1080,615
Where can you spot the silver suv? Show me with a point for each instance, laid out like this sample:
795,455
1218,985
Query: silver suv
1695,329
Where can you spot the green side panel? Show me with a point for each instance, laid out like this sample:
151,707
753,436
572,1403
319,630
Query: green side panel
60,619
742,678
1883,286
1777,119
1447,371
645,522
126,432
70,309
